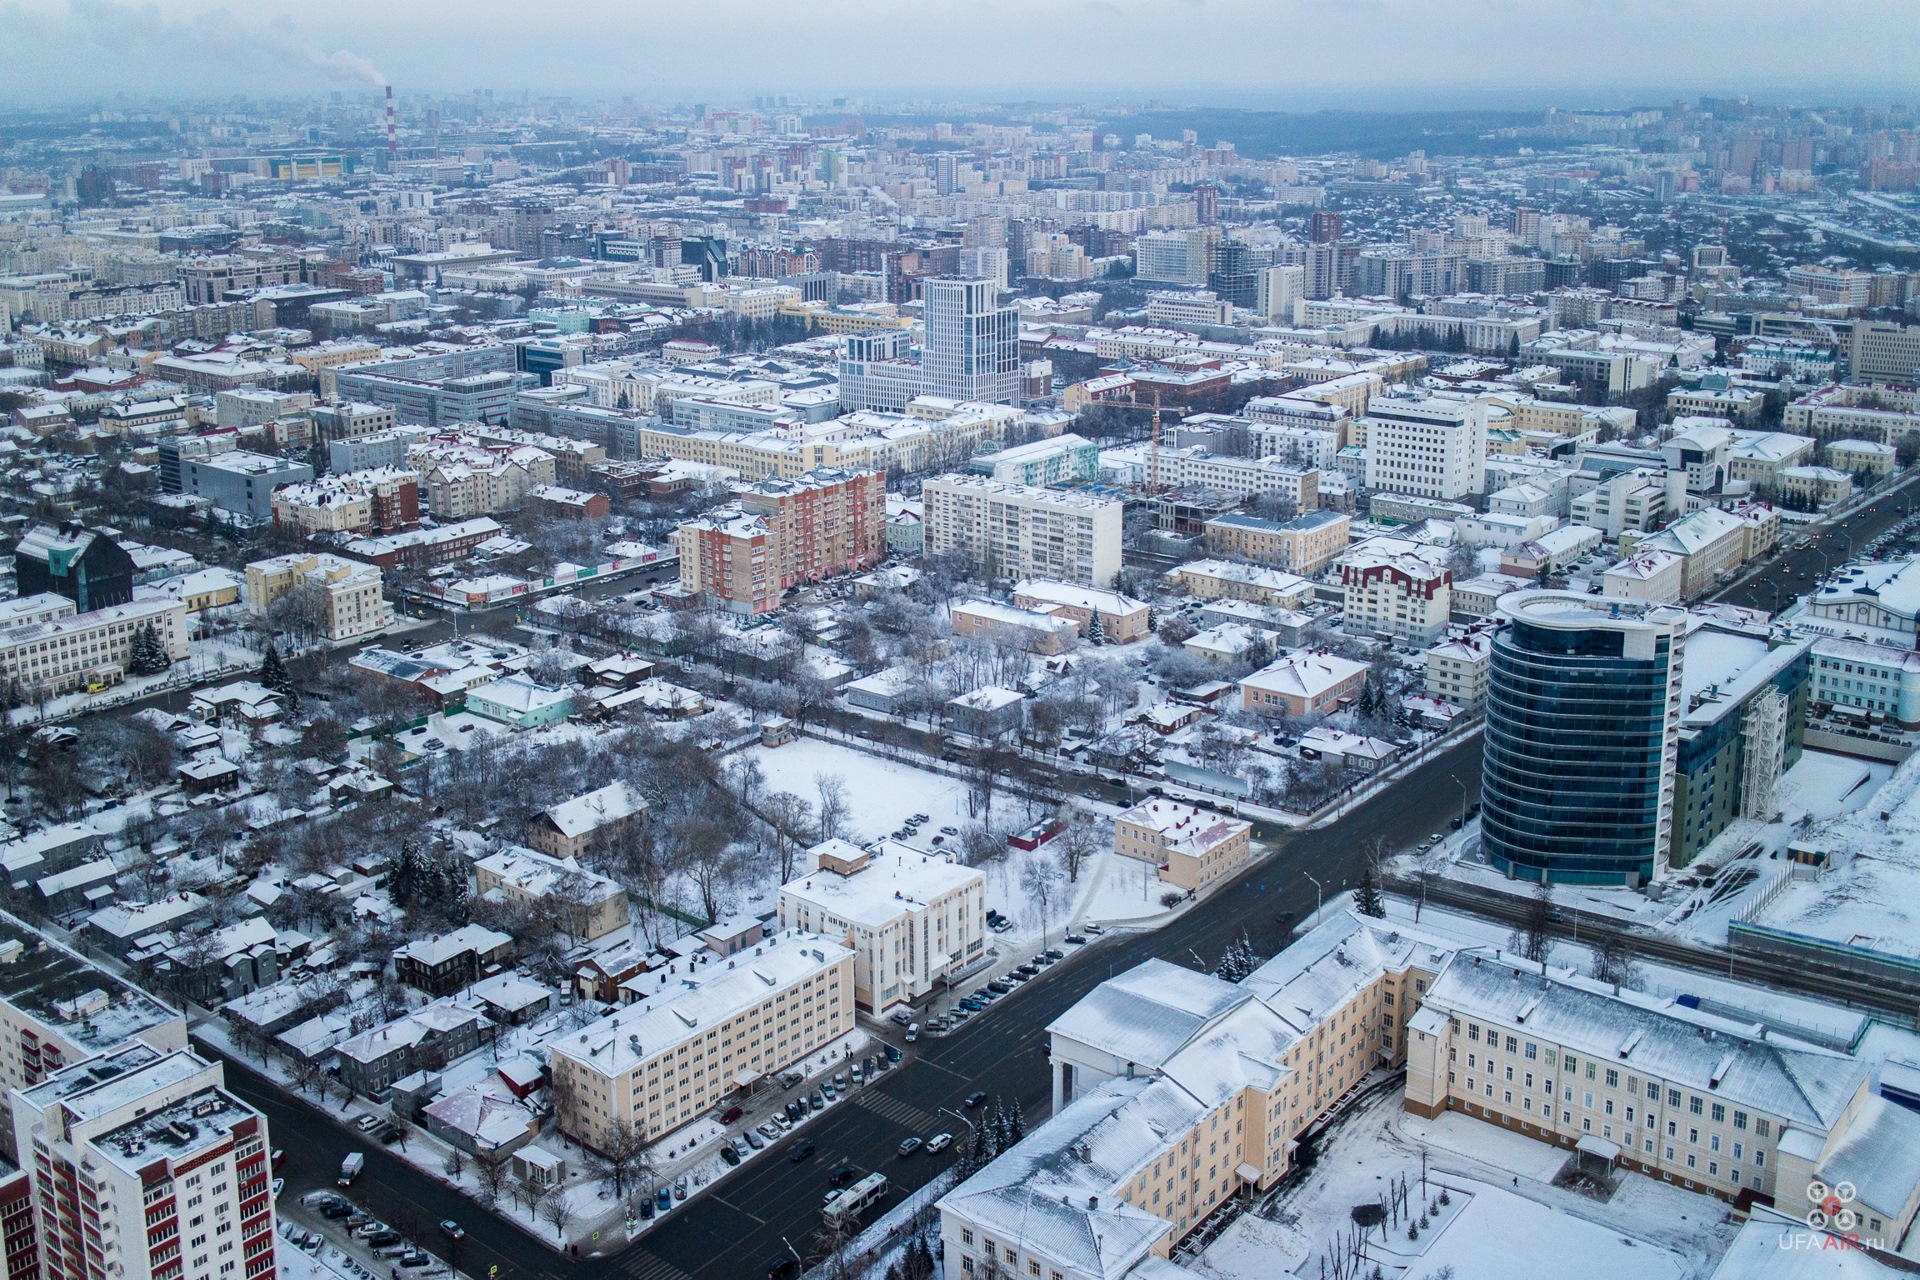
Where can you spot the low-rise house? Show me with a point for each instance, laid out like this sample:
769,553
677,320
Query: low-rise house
443,965
1039,631
484,1120
988,713
244,704
119,928
1217,579
573,827
1121,618
520,702
1353,751
426,1039
509,999
1192,847
1303,685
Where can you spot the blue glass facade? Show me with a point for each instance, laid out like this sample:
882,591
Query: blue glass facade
1576,750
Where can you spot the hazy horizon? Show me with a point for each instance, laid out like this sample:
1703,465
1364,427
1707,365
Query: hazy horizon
1283,55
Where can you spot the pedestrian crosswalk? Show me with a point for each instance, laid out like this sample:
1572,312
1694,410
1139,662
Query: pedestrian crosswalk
902,1113
642,1264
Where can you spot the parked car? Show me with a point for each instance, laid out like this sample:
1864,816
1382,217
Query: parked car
731,1114
665,1199
367,1123
415,1258
279,1185
729,1156
1055,953
902,1017
755,1139
908,1146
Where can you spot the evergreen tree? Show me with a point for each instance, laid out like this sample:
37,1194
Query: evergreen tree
273,675
1366,896
1016,1123
1237,961
1097,629
149,656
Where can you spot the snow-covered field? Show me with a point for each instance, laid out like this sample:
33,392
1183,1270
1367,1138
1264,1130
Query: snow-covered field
881,794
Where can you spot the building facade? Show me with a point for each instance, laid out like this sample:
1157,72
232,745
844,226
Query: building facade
1192,847
1018,531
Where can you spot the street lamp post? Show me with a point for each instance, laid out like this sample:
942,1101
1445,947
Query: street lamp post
972,1135
1318,894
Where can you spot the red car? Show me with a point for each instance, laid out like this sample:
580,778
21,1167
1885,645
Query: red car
731,1114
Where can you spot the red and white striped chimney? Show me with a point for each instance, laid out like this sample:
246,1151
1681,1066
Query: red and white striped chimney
393,147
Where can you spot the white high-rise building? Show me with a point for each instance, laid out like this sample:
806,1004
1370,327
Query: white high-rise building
1173,257
1426,445
147,1168
987,262
1277,289
1018,531
972,349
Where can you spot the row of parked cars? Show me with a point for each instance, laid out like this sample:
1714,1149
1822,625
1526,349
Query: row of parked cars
1003,985
382,1239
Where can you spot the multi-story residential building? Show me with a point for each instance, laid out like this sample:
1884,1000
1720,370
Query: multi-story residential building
1188,310
1227,579
683,1040
423,548
1710,542
777,534
240,482
1859,457
584,904
351,420
352,591
1880,412
1019,531
84,565
251,406
1457,667
465,477
445,964
1759,457
584,823
1843,286
1577,683
1402,596
1883,349
358,502
1739,404
19,1238
1426,445
972,349
57,1009
1174,257
1654,575
1057,460
1196,467
1192,847
1303,686
480,396
1122,619
66,651
911,919
1149,1136
1814,488
1304,545
1633,501
145,1166
1666,1090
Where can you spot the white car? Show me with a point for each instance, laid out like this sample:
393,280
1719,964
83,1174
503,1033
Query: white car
939,1142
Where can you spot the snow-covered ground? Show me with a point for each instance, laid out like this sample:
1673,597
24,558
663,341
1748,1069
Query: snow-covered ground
1505,1218
881,794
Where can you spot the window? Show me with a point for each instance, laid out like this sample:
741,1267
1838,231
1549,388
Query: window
1613,1078
1694,1105
1762,1128
1739,1119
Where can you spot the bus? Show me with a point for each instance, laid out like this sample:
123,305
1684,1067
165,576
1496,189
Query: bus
845,1206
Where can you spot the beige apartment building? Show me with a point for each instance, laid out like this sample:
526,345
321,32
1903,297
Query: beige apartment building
1401,596
1666,1090
354,603
1193,847
691,1037
589,904
1231,580
1018,531
65,650
1457,668
1304,545
910,918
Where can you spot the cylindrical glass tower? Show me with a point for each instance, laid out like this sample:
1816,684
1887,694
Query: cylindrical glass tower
1583,715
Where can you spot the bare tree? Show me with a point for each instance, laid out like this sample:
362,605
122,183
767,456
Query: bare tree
833,803
1078,843
493,1178
1039,880
788,815
559,1212
1530,937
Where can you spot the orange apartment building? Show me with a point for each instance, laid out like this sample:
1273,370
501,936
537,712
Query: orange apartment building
779,533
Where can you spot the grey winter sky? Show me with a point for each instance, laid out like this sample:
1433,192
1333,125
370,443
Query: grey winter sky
1262,53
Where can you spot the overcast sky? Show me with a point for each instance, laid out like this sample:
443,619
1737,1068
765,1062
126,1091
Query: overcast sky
1290,54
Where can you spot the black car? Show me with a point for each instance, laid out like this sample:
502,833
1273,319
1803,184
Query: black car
646,1207
1076,939
842,1176
802,1153
977,1098
381,1239
999,986
1055,953
729,1156
336,1209
782,1269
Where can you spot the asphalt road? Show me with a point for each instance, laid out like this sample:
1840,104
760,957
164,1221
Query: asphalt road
736,1229
1796,573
